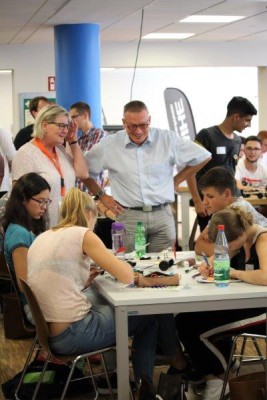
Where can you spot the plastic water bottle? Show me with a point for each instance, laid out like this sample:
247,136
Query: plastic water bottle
118,237
140,240
221,259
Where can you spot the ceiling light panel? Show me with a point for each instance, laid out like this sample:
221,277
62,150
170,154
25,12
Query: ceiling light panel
224,19
168,36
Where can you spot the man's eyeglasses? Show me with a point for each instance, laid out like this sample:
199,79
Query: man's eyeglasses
252,149
75,116
60,125
133,127
42,203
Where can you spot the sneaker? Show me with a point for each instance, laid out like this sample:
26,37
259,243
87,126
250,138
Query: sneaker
214,388
102,385
189,372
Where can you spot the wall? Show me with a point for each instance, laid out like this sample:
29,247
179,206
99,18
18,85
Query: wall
31,65
6,100
208,92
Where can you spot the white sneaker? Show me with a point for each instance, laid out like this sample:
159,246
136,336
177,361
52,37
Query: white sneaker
214,388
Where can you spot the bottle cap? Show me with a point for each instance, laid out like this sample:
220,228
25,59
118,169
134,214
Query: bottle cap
220,227
117,226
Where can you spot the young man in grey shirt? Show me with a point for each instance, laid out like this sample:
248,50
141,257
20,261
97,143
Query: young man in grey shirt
218,186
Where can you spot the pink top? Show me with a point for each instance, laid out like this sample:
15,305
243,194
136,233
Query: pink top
57,273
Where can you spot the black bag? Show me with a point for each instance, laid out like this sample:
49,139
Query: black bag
52,386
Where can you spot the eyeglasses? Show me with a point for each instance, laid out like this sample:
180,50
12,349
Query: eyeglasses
42,203
252,149
75,116
60,125
133,127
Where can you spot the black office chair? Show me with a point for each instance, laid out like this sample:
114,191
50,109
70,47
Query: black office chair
16,325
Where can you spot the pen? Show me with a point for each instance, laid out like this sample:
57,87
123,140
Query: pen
206,260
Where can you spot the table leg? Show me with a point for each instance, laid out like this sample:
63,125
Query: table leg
185,197
122,352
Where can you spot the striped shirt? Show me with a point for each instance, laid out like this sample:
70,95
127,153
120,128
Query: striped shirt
86,141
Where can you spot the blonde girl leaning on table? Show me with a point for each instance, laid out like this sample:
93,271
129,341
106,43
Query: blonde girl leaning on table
248,252
59,263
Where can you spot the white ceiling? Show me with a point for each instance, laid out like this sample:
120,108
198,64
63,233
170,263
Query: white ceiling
32,21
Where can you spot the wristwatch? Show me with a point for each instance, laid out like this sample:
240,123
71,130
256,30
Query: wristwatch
99,194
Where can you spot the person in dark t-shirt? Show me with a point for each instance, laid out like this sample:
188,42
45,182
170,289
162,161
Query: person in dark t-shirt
224,146
25,134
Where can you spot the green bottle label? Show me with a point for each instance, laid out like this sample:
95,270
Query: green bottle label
222,271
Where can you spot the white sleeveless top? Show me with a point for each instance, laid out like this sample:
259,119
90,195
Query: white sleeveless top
57,273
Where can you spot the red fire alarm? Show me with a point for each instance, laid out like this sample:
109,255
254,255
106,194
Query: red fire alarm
51,83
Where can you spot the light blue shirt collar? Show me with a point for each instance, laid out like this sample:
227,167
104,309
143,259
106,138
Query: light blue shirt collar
128,141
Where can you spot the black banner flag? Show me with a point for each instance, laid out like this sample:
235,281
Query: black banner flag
179,113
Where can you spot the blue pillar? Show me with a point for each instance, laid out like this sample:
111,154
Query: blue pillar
77,58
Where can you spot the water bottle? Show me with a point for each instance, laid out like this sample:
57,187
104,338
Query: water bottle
221,259
118,237
140,240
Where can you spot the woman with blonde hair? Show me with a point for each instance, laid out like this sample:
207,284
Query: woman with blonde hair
248,251
46,155
59,262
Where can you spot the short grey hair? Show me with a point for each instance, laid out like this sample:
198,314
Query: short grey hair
47,114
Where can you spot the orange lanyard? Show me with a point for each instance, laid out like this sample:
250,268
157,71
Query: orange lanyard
38,143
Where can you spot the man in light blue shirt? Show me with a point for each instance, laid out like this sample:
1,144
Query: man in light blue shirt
140,161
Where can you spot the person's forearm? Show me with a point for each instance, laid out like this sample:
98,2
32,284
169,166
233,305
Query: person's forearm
202,245
92,185
187,171
79,162
257,277
192,186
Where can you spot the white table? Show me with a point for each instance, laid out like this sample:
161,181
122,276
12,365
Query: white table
199,297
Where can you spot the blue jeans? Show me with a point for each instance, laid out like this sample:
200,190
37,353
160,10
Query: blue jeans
97,330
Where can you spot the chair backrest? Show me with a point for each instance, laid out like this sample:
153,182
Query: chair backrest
38,317
4,273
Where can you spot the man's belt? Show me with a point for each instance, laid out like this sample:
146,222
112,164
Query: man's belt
147,208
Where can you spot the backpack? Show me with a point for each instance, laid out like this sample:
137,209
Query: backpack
52,386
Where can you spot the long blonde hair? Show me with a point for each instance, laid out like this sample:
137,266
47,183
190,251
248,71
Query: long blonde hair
74,207
235,221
